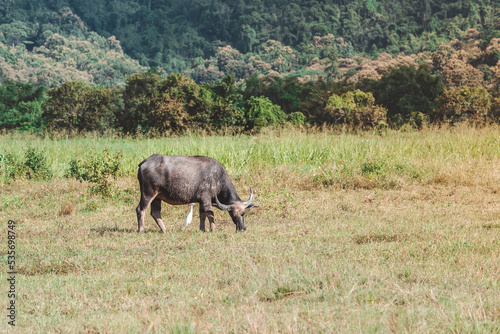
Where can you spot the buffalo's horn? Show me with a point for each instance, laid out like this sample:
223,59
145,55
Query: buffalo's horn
220,205
247,203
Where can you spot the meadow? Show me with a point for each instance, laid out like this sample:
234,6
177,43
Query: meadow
355,232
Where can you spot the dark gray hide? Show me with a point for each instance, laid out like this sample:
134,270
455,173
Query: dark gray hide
180,180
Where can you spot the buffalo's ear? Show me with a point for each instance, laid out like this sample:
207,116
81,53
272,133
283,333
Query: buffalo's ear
252,206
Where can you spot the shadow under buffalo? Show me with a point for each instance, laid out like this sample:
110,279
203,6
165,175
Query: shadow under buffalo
102,230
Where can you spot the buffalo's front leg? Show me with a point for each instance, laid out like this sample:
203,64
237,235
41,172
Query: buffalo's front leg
206,212
210,216
156,213
212,223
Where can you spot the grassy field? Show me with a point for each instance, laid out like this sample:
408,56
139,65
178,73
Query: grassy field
398,232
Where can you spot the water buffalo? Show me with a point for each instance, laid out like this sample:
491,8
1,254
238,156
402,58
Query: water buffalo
179,180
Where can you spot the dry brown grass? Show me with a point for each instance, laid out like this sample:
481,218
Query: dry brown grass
358,254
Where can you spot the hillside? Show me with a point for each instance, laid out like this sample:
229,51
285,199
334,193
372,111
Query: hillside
187,36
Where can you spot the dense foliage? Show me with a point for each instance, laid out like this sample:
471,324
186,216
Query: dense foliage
408,90
218,65
90,59
472,103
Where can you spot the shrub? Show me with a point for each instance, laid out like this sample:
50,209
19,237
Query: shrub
262,112
34,166
10,167
356,109
297,118
99,169
455,105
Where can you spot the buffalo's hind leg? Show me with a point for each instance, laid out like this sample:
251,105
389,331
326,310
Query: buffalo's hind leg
141,211
156,213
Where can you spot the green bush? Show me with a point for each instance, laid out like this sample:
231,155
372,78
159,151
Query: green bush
262,112
98,169
228,106
357,109
297,118
11,167
286,92
34,166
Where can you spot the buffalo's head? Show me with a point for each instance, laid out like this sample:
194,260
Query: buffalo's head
237,210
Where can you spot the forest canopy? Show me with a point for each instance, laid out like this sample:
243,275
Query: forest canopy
159,67
180,36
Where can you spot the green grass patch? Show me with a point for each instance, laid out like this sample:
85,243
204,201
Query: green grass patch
346,160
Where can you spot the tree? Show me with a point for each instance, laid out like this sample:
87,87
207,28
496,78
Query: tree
230,61
168,105
454,65
406,90
140,92
15,32
21,106
78,106
228,109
